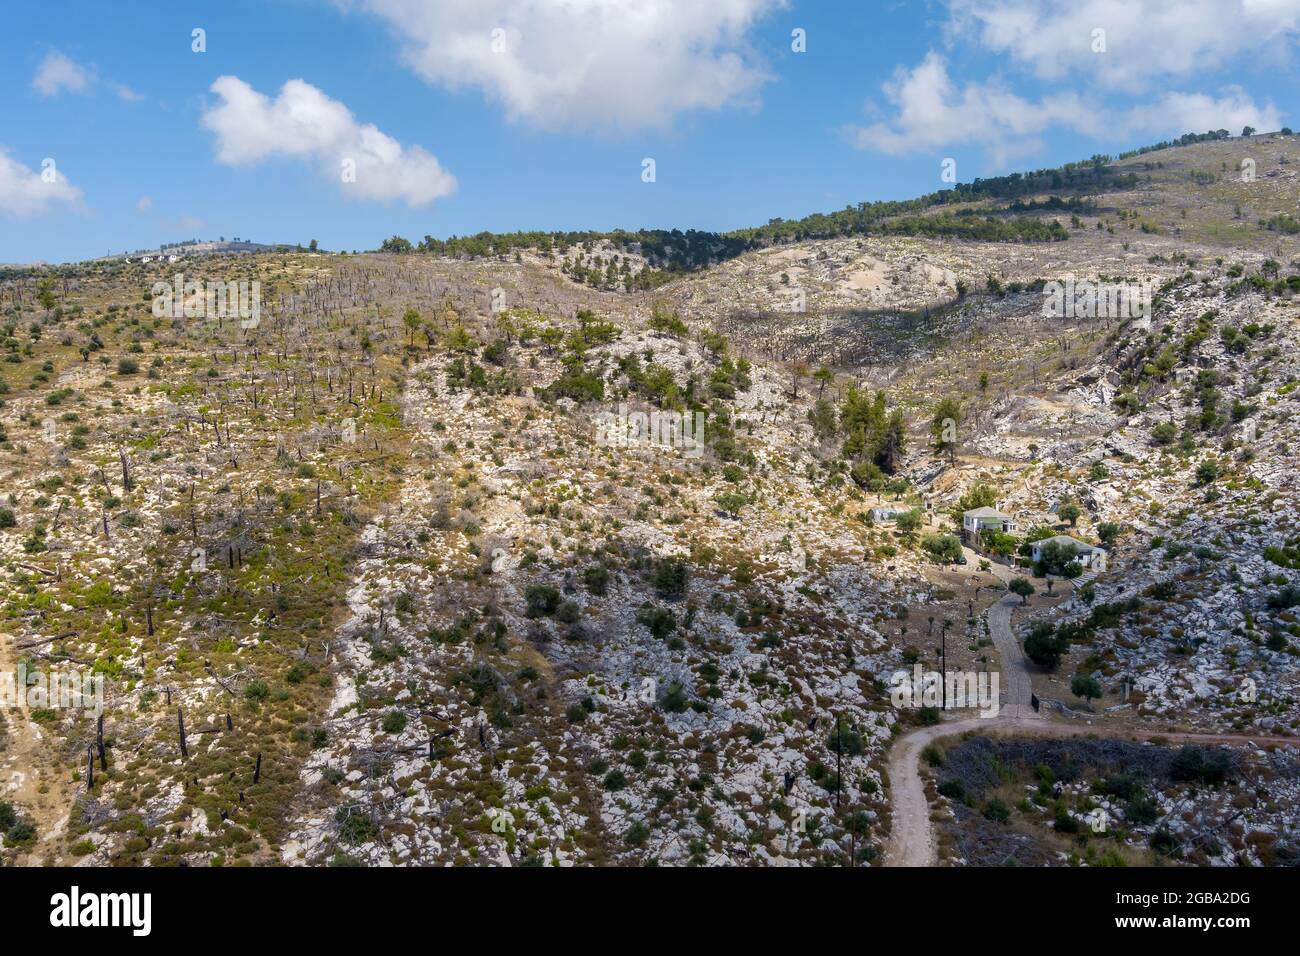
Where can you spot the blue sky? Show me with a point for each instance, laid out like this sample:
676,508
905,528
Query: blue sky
546,123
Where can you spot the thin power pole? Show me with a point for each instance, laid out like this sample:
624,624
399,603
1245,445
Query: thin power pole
839,760
943,661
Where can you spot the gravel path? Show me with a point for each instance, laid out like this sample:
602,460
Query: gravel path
1017,687
911,841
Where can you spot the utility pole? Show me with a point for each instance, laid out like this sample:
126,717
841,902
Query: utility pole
943,660
839,760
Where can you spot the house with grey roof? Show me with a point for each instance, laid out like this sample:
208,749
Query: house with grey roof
1091,557
978,520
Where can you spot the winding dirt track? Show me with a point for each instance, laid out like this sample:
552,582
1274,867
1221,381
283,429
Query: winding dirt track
41,790
911,840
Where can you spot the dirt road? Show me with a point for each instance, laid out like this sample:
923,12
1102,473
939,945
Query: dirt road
911,841
40,790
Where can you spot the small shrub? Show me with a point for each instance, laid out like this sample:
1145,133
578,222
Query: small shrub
953,789
543,600
671,577
997,811
637,834
596,578
355,826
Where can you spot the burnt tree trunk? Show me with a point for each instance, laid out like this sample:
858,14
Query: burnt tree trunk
99,740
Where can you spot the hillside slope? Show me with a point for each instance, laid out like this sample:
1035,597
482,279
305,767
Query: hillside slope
412,603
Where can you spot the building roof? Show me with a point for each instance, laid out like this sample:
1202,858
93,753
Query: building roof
985,513
1082,546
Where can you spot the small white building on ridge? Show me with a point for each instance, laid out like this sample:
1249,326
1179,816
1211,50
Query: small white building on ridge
888,513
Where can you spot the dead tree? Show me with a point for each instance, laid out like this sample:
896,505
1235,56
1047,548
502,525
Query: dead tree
99,740
180,724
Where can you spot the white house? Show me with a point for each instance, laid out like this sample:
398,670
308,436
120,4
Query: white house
987,519
1090,556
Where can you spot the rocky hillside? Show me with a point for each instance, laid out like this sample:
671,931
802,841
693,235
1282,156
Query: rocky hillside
375,580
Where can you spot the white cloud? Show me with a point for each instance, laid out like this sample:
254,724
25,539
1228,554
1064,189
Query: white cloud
932,111
304,123
57,74
25,192
1147,41
144,204
606,65
1178,113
